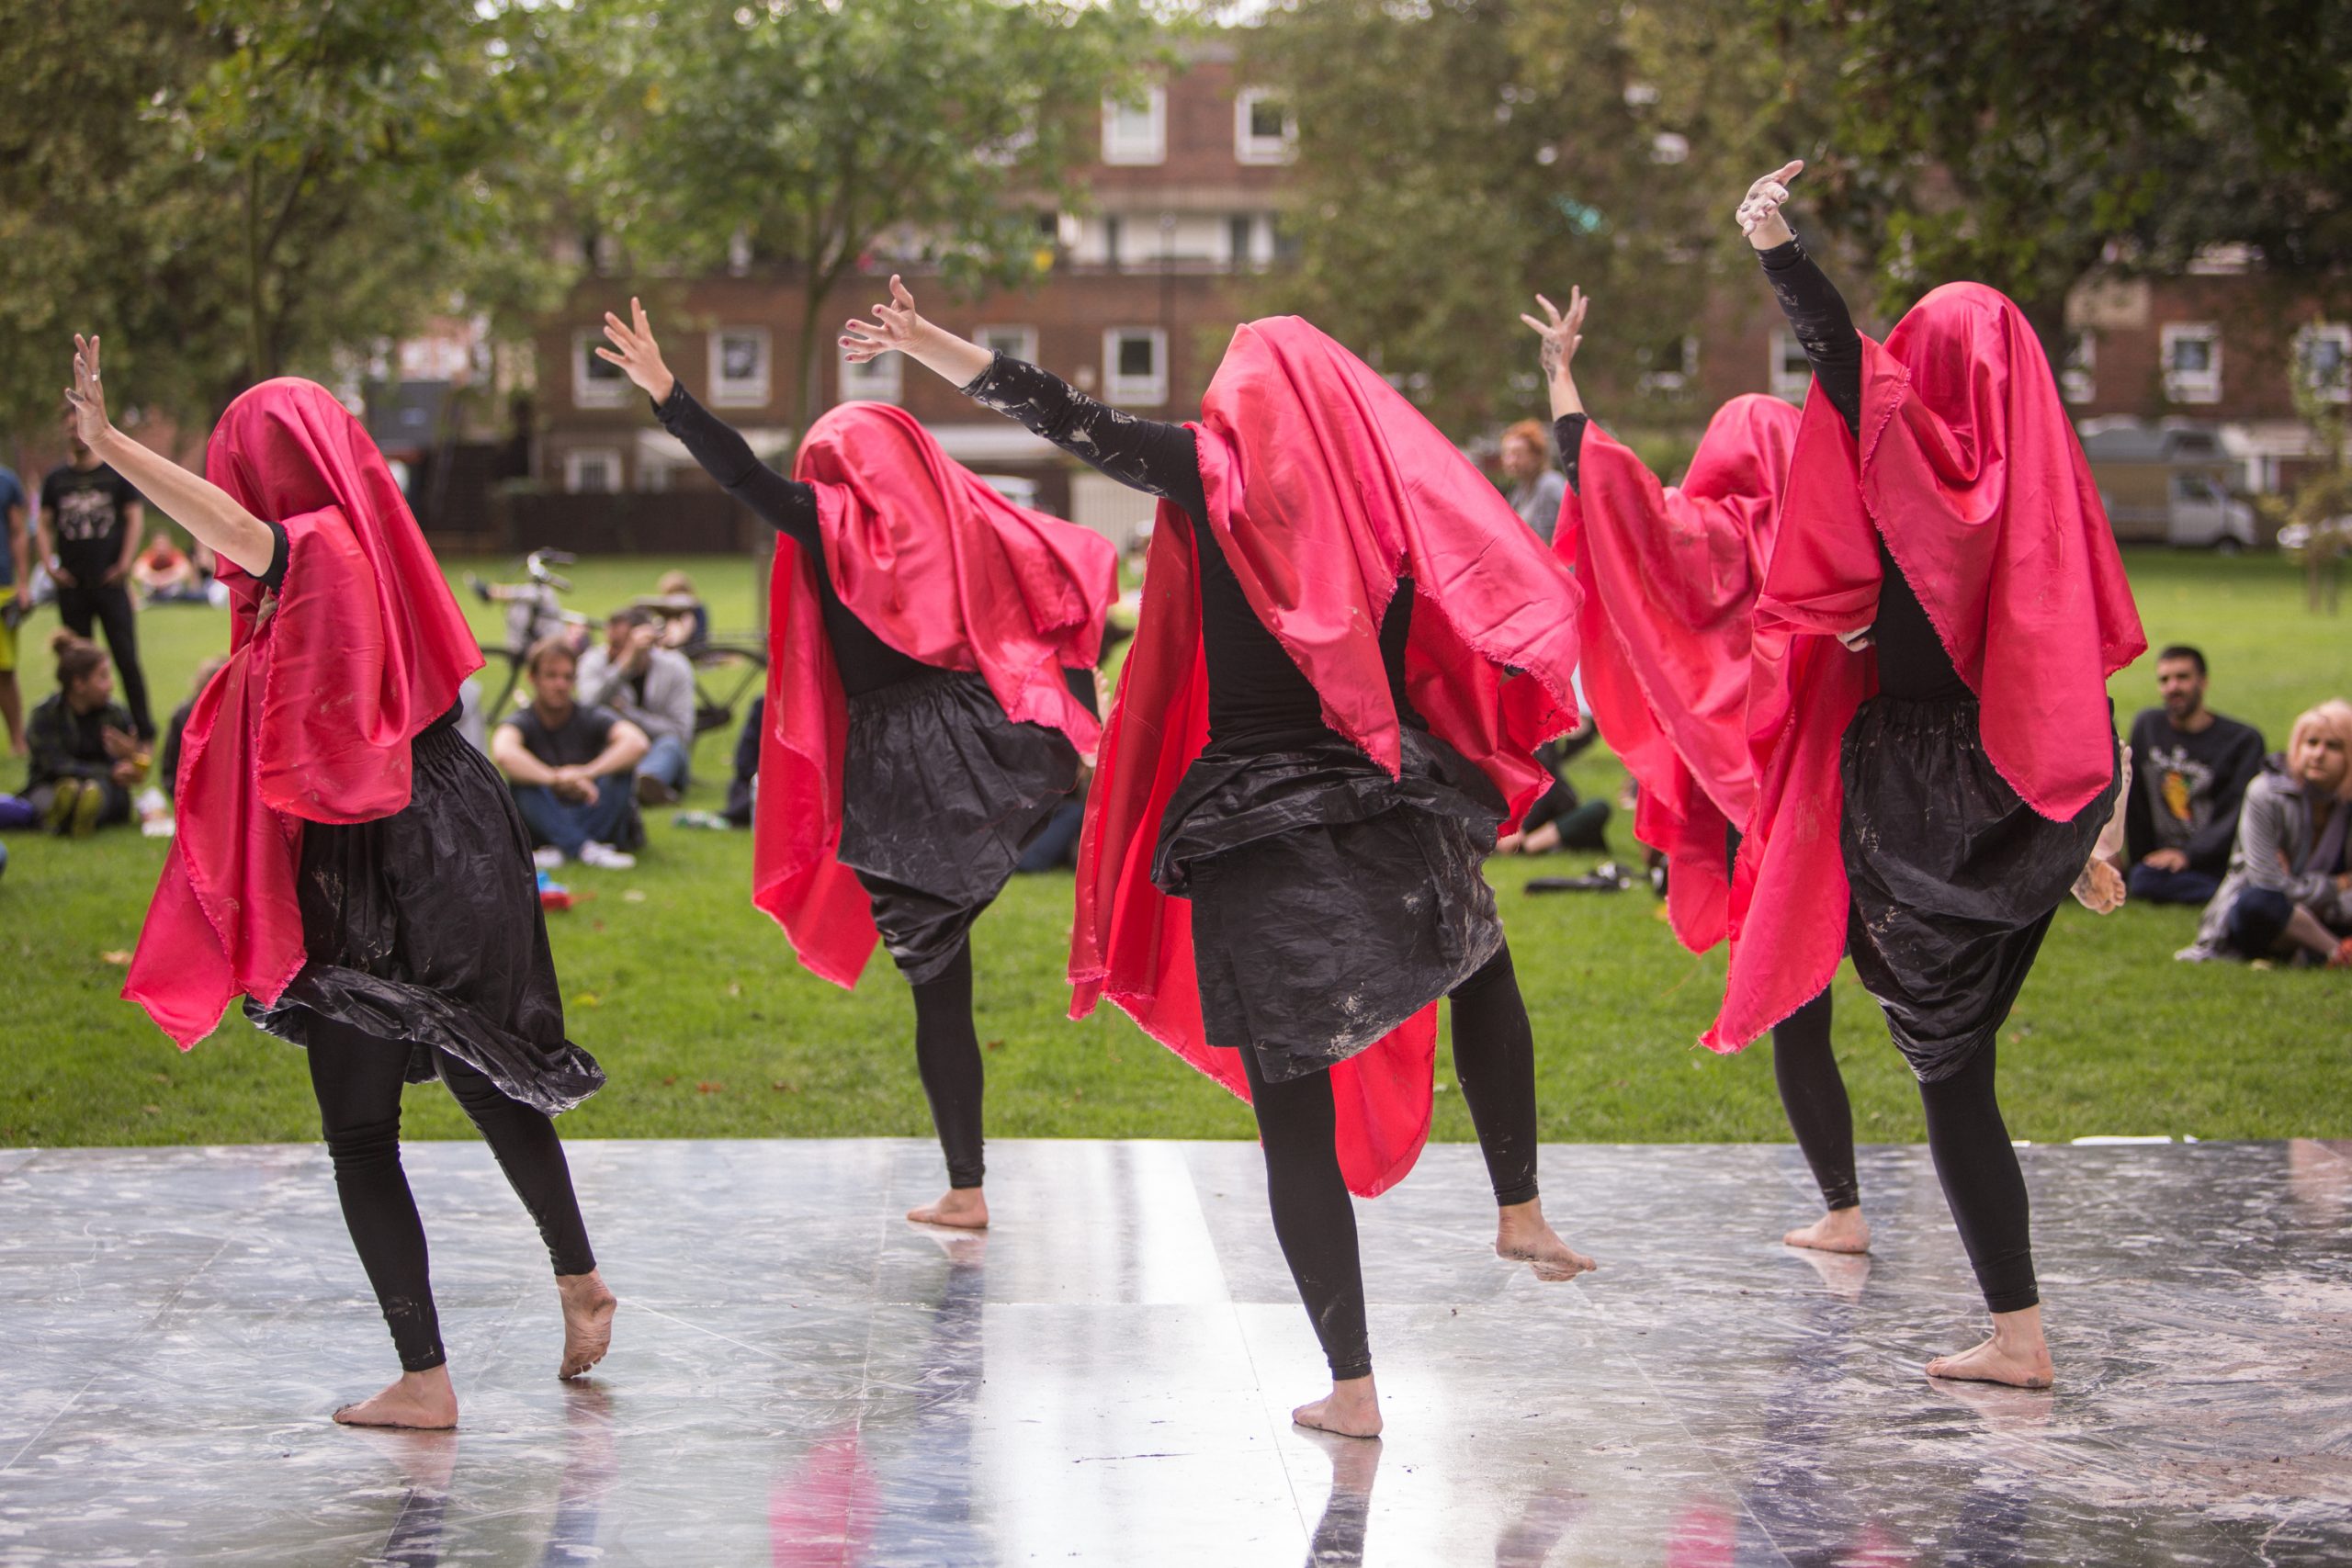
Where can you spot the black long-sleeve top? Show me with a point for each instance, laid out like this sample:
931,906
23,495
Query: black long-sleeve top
1912,663
1256,692
1567,435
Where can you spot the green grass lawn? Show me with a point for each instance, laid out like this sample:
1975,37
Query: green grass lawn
707,1027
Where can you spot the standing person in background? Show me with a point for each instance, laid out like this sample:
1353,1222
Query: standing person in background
1537,489
2193,767
635,677
15,600
91,525
571,766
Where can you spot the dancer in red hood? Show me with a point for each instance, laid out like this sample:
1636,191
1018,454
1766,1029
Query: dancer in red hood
1279,875
1670,579
1928,687
346,863
931,692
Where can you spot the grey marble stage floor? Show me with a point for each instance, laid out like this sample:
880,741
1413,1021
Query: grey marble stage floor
800,1378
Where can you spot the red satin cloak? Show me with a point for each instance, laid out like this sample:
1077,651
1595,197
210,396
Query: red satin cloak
1969,468
1670,579
946,570
310,719
1325,488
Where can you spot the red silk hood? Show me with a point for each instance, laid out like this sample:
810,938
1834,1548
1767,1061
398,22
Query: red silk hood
948,572
1969,468
1670,579
310,719
1325,488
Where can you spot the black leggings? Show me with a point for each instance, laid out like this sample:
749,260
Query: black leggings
947,1056
1982,1183
1813,1092
1494,1056
357,1079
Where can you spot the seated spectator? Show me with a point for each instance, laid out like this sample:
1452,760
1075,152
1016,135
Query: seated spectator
653,688
2193,767
173,731
2288,892
743,789
86,756
1560,819
688,627
1537,489
570,768
167,574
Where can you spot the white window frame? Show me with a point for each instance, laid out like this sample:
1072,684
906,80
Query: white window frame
1790,385
1132,150
881,379
1134,391
2200,387
741,392
1251,148
2340,333
575,464
2078,377
1013,342
590,389
1678,379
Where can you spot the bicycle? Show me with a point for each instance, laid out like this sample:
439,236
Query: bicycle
534,612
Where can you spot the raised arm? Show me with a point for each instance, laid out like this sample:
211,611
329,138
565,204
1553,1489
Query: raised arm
1816,310
1561,335
202,507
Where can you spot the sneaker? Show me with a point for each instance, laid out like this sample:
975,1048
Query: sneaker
547,857
86,806
62,802
651,790
2342,959
605,855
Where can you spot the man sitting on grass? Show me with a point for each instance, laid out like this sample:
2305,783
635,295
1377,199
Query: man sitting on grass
572,768
653,687
2192,767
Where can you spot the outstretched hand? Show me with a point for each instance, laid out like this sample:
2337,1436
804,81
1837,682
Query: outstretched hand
1562,334
1759,210
638,356
896,325
86,396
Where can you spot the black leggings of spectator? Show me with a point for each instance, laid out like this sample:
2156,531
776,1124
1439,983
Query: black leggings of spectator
747,764
357,1079
1583,824
2258,921
109,606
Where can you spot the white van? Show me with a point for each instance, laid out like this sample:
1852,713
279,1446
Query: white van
2166,484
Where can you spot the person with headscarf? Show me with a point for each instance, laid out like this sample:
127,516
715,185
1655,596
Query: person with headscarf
1350,645
1927,692
1670,577
2288,892
346,863
930,697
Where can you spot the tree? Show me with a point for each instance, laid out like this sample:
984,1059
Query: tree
815,134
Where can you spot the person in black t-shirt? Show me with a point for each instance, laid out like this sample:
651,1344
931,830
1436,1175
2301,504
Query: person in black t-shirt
572,768
90,522
2192,767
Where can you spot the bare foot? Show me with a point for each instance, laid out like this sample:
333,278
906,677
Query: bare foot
1839,1230
2017,1355
1522,1235
963,1208
420,1401
588,1307
1351,1409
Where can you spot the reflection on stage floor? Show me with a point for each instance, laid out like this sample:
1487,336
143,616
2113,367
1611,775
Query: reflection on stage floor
798,1377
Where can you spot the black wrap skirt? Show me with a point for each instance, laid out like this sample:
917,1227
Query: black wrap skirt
424,927
940,794
1330,902
1955,879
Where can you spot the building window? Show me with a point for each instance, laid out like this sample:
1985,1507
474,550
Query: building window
595,383
738,368
2192,361
1244,250
1265,130
878,380
1136,131
2324,360
2078,377
1111,241
1135,366
1670,368
592,470
1013,342
1791,372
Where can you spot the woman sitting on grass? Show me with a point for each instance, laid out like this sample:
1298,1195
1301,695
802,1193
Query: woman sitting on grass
2288,893
86,756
